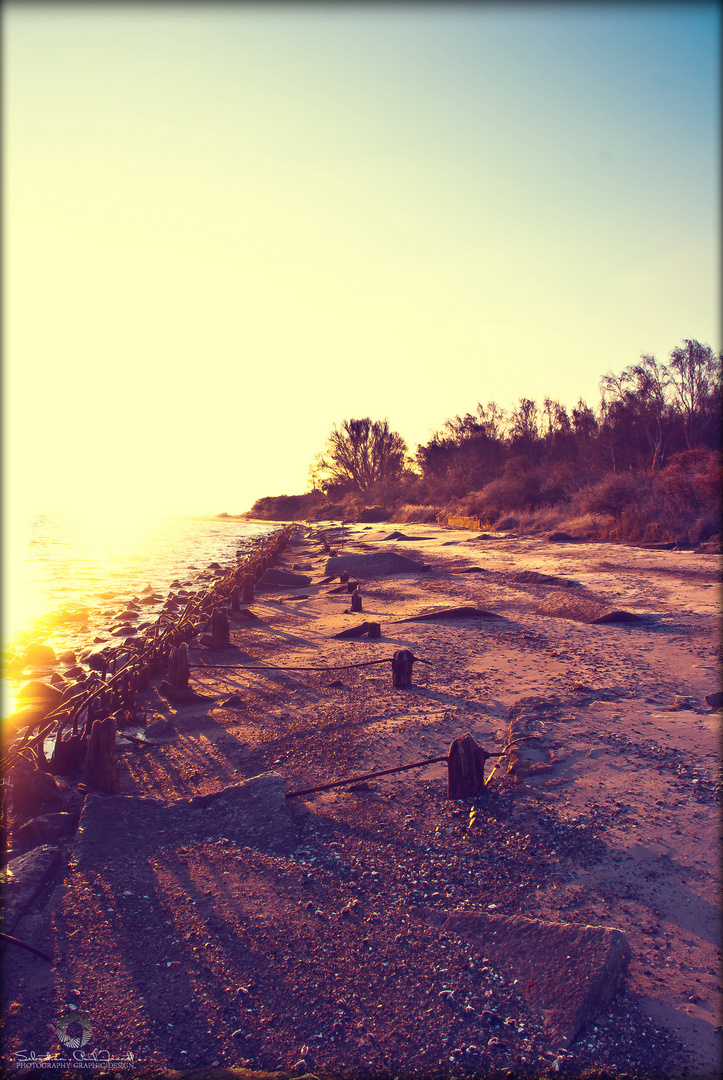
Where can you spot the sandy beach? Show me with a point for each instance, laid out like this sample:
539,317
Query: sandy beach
324,954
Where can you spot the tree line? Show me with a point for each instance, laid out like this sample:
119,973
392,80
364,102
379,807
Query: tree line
654,421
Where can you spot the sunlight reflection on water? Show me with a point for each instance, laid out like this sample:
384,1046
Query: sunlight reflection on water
65,577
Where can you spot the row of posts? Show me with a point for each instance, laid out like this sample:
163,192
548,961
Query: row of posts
128,668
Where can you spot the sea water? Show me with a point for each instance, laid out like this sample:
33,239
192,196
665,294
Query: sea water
67,577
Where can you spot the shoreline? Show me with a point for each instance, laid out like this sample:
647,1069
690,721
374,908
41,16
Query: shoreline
82,623
623,706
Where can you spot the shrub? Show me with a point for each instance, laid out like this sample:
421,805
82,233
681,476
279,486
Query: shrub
704,528
286,507
411,513
613,494
690,484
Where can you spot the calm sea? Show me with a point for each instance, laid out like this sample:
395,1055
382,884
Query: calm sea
66,578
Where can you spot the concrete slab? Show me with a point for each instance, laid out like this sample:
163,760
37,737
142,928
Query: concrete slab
373,565
122,826
567,971
22,880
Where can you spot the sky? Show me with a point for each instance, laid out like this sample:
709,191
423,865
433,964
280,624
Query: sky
229,227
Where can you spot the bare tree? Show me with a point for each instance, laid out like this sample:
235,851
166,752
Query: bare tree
641,389
695,375
524,429
361,453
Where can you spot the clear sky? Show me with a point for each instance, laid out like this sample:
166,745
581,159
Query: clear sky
229,227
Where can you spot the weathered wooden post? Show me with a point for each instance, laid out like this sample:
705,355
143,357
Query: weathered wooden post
374,630
178,670
235,598
219,625
466,769
402,663
351,586
356,601
102,771
248,593
344,576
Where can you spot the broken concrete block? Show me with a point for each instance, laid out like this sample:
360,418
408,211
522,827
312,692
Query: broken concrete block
23,879
274,576
567,971
126,827
374,565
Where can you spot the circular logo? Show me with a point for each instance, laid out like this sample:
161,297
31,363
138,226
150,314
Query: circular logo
74,1028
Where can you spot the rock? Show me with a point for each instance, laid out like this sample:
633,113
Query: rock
67,657
715,700
235,701
96,660
568,971
301,566
45,829
28,717
274,576
246,613
187,696
123,827
369,566
72,688
160,728
32,789
39,655
23,879
42,695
